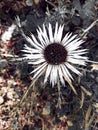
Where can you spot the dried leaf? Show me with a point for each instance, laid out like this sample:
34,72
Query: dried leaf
95,105
46,111
36,1
69,123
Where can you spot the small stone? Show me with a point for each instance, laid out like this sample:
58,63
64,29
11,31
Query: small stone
10,95
1,100
29,2
96,79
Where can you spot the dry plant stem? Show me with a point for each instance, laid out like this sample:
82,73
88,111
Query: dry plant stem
82,99
26,93
51,3
59,94
88,117
72,87
86,91
9,55
94,62
85,31
12,59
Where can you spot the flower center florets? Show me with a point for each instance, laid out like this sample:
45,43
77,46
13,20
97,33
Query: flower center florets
55,54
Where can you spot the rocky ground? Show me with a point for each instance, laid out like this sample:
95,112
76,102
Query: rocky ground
39,109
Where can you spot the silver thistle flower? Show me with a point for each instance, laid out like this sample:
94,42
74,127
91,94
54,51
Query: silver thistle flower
54,54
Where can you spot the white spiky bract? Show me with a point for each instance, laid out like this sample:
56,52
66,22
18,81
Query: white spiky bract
61,71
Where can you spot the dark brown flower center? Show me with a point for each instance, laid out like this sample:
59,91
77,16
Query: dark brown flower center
55,54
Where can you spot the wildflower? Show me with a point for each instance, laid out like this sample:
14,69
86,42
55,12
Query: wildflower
54,54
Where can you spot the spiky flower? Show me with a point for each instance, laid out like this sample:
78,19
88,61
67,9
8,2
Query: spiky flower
54,54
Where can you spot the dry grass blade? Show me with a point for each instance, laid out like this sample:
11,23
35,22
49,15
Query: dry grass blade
43,124
85,31
86,91
10,59
26,93
9,55
89,118
72,87
88,114
96,106
82,99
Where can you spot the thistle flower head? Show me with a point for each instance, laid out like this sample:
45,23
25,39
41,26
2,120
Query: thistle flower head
54,54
